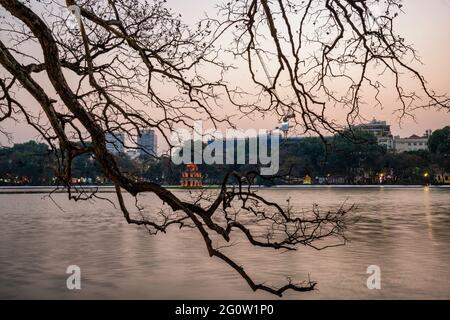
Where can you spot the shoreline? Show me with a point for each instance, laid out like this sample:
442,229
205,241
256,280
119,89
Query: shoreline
110,189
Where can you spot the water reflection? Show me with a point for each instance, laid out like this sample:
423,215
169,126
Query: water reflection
404,231
428,214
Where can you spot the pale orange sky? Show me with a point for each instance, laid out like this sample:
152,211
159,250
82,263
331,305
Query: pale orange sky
426,25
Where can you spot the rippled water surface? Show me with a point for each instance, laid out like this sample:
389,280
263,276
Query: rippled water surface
405,231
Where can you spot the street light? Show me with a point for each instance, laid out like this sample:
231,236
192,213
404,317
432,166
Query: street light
426,178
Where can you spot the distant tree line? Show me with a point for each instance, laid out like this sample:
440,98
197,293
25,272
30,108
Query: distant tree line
338,159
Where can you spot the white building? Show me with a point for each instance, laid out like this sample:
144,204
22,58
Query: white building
412,143
382,132
387,142
377,128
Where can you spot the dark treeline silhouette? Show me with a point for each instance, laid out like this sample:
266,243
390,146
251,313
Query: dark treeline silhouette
338,161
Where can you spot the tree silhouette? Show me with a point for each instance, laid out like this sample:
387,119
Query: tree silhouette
126,65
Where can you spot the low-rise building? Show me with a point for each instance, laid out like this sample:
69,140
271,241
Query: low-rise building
382,131
376,127
387,142
442,178
132,153
412,143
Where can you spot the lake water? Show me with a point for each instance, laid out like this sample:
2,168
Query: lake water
405,231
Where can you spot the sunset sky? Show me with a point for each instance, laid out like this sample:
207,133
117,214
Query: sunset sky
425,24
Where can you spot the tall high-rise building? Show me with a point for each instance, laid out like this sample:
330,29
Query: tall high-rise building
115,142
148,142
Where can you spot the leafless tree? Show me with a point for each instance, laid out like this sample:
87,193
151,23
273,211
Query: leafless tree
330,55
126,65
